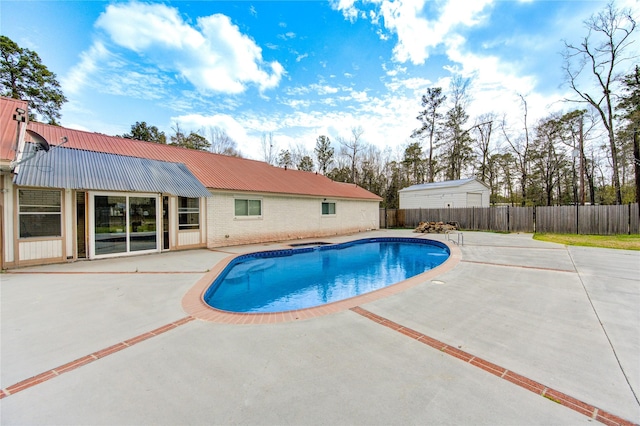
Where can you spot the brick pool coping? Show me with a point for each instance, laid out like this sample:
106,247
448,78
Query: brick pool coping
194,305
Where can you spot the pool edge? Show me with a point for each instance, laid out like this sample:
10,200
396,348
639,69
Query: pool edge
193,301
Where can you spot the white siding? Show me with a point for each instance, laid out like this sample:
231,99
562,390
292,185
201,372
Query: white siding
285,218
8,218
471,194
188,238
43,249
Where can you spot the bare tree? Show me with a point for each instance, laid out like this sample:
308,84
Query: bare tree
351,148
521,147
269,149
298,152
547,159
601,52
483,127
221,142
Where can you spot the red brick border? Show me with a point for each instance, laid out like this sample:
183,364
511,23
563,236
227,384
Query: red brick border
54,372
515,378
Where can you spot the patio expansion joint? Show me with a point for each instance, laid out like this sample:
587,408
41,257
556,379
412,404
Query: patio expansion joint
547,392
87,359
539,268
604,330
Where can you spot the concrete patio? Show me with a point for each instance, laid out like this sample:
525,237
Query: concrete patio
563,318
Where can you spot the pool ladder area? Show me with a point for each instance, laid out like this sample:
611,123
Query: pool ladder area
460,235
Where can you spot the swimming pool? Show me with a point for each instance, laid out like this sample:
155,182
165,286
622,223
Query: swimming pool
284,280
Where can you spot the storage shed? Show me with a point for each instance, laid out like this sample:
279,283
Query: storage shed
453,193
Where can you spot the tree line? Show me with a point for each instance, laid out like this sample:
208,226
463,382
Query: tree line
587,153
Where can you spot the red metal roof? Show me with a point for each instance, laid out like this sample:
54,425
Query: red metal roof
215,171
9,127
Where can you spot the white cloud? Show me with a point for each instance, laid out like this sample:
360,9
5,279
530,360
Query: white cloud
287,36
358,96
139,26
419,34
122,78
323,89
213,55
416,84
203,123
89,62
347,7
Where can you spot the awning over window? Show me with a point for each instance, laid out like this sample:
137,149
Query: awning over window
88,170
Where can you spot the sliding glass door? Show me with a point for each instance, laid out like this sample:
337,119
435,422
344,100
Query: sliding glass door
110,224
124,224
142,224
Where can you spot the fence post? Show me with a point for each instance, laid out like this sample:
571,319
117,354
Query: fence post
386,226
473,217
508,221
577,219
534,219
629,221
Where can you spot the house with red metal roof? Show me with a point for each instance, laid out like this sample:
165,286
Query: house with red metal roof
68,194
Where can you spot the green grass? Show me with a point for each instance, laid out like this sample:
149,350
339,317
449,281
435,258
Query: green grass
622,242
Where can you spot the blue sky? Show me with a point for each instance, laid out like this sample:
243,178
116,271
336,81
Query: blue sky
296,69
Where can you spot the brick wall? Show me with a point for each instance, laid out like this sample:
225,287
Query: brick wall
284,218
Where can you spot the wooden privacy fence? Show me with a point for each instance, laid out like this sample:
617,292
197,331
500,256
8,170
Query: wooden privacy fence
595,220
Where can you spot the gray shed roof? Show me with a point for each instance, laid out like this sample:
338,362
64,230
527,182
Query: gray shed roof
78,169
445,184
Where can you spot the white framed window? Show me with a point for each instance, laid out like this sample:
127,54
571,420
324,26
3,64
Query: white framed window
40,213
248,207
188,213
328,208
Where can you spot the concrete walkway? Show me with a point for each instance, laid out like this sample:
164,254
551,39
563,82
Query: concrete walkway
107,342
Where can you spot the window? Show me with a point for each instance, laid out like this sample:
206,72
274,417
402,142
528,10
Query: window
248,207
40,213
188,213
328,208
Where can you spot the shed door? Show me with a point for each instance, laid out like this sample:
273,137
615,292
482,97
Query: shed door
474,199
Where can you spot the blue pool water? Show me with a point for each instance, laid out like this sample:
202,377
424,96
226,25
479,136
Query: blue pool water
285,280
